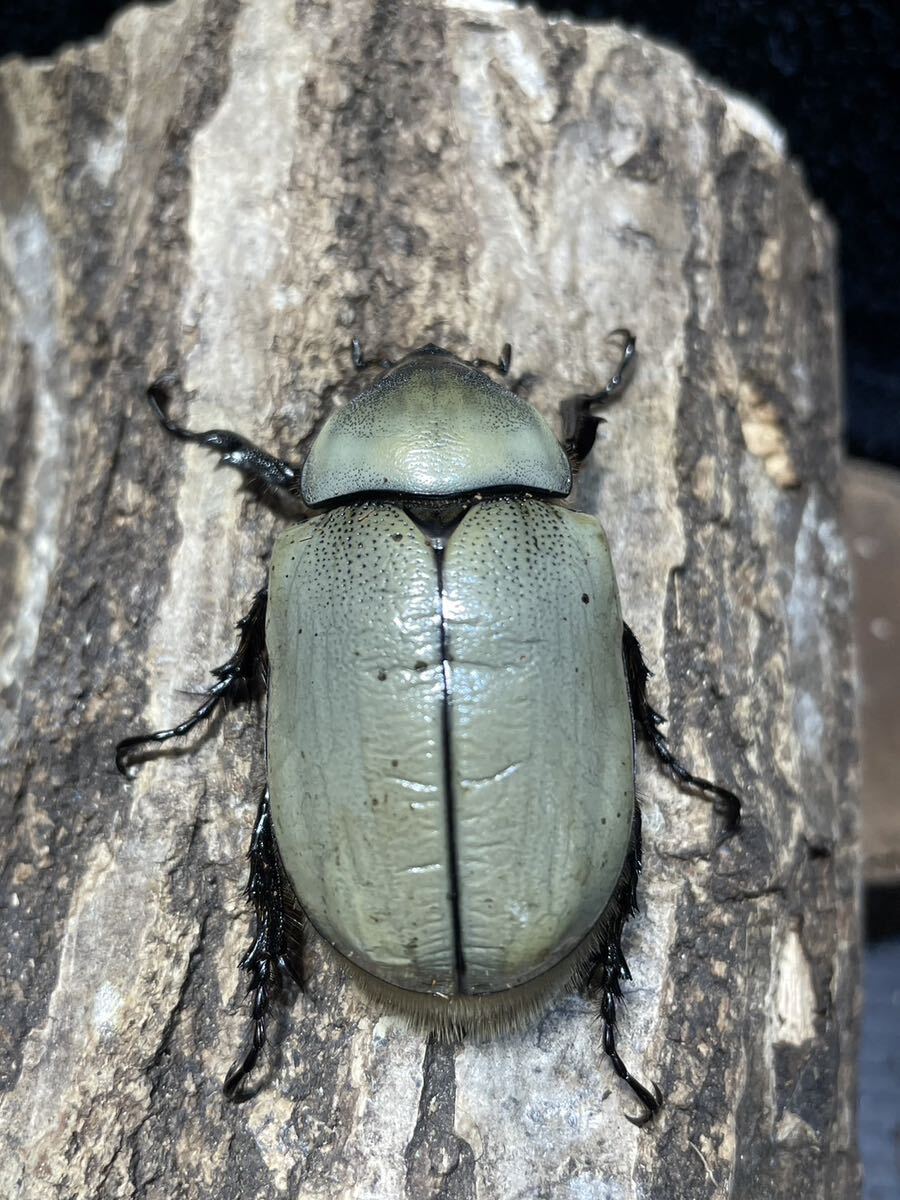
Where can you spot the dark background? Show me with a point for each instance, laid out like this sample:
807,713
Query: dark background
828,72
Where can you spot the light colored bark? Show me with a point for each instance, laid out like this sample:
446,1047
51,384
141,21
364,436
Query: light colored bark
236,189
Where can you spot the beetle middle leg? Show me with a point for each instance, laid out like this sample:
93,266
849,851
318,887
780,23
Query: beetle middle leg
275,950
649,720
239,678
580,423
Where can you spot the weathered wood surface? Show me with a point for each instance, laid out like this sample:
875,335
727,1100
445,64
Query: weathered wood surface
236,189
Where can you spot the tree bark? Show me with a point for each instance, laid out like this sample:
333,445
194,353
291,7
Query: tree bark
236,189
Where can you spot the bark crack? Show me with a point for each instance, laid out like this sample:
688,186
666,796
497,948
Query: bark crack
439,1164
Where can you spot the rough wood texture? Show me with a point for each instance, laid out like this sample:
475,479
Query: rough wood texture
236,189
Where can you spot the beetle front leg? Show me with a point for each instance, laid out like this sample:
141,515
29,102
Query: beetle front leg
725,802
235,450
274,951
239,678
580,424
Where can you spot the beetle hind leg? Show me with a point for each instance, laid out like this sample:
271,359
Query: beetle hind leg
275,950
239,678
610,968
725,802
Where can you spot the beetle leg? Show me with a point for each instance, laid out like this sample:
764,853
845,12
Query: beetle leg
610,975
361,362
268,959
235,450
502,364
725,802
610,968
236,679
579,423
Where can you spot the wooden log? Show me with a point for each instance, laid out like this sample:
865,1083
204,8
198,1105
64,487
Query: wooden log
236,189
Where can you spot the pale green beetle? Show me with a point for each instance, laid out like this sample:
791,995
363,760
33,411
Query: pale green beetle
464,858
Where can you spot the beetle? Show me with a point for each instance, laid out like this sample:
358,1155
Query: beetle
453,700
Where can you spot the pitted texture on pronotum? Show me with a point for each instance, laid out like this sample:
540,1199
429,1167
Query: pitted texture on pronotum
450,746
434,426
